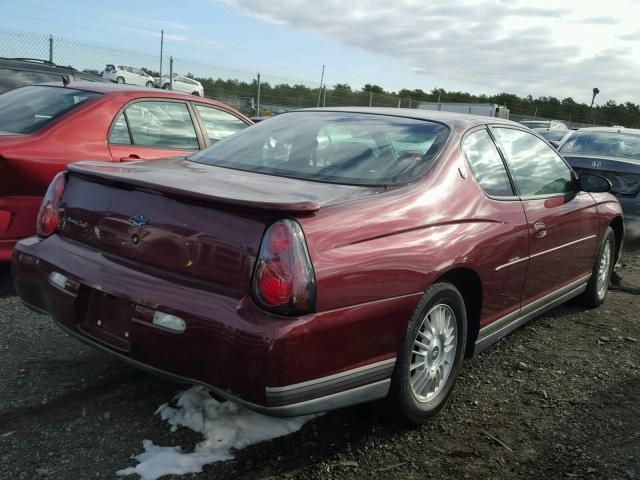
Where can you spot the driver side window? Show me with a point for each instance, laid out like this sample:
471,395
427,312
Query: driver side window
537,169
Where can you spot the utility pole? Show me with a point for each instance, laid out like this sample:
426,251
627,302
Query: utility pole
161,46
258,96
51,48
321,83
370,98
596,91
324,96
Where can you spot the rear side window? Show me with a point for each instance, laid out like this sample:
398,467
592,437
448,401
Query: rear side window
10,79
337,147
27,109
158,124
120,132
486,164
536,167
219,124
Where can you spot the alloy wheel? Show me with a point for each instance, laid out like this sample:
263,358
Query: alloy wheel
603,268
434,353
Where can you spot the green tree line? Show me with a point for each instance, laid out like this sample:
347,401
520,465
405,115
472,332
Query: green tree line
284,95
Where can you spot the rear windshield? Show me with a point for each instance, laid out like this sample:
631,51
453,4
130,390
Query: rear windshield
553,135
27,109
611,144
348,148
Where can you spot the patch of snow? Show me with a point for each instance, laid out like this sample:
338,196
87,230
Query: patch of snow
224,425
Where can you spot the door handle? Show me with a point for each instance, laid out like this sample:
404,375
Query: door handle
133,156
539,229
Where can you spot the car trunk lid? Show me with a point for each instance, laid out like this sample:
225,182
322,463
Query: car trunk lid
194,219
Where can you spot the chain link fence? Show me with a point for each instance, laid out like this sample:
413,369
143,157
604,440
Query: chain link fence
250,92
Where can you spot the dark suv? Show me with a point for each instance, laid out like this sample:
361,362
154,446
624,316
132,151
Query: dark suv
16,72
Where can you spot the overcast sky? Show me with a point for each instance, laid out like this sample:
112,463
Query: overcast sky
559,48
483,46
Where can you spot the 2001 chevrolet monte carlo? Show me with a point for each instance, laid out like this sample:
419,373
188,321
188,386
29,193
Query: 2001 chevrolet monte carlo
323,258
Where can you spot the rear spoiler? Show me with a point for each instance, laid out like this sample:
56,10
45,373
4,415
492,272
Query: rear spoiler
129,175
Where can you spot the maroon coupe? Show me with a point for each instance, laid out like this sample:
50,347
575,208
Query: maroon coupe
323,258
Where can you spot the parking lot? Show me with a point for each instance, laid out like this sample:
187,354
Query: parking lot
556,399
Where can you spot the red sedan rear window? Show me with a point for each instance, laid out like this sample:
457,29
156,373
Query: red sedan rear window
335,147
27,109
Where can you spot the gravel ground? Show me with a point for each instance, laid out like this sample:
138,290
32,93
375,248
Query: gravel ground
559,398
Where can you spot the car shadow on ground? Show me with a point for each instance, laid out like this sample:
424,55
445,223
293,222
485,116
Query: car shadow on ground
6,283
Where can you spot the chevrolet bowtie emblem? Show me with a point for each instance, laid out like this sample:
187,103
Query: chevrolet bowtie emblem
138,220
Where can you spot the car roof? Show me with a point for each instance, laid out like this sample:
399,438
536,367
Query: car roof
131,92
630,131
452,119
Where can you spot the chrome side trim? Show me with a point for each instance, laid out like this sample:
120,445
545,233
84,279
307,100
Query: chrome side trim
495,331
353,396
519,260
513,261
562,246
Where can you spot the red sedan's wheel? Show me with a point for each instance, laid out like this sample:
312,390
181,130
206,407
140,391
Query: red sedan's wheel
598,284
431,354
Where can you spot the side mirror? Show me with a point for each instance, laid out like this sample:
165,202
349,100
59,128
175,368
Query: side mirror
594,183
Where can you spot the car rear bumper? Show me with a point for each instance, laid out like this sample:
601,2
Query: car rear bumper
274,365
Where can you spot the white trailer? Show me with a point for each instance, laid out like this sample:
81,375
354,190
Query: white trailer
484,109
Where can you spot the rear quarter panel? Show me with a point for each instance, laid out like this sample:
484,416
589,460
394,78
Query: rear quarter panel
609,210
398,243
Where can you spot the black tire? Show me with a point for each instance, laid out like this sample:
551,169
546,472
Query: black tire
120,80
593,296
149,85
165,86
195,94
407,407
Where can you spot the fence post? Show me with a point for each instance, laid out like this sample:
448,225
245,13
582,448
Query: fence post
258,95
170,73
370,98
409,102
321,83
399,103
324,96
535,114
161,48
51,48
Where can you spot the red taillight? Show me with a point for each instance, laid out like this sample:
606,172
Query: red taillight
283,280
49,213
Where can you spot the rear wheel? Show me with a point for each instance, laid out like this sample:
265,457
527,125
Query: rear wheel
120,80
196,94
598,284
150,84
431,354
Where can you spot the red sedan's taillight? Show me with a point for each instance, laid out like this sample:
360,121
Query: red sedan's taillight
49,213
283,281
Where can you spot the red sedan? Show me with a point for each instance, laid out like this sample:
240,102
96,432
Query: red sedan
45,127
323,258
